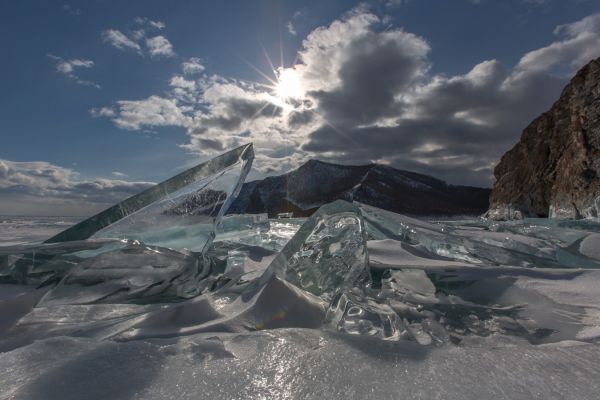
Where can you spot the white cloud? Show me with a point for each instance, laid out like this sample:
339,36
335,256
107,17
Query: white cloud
119,40
157,24
102,112
159,46
589,24
290,28
149,23
192,66
49,186
580,43
68,67
138,40
180,82
153,111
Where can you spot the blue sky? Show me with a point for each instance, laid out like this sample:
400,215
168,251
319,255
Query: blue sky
101,98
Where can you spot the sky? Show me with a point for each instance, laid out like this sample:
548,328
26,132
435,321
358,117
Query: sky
100,99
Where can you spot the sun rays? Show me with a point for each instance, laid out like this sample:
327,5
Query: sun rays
289,85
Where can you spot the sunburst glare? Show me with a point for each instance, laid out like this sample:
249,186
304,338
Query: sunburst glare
288,85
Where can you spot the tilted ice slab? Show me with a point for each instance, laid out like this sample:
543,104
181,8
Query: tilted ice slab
122,262
180,212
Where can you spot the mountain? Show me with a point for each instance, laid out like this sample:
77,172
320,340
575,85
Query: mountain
315,183
554,169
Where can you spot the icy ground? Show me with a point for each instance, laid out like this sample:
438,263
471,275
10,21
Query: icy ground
21,230
352,303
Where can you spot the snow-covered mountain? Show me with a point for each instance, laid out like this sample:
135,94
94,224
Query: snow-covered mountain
315,183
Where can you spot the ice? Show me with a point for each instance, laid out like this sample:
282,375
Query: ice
328,253
295,364
477,244
590,246
354,313
23,230
180,212
134,273
39,263
352,302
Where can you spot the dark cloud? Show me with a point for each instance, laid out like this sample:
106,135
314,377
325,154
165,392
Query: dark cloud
298,118
450,149
375,68
238,110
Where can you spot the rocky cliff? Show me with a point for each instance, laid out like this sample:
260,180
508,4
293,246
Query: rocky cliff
315,183
554,169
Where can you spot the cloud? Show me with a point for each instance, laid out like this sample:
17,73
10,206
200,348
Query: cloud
192,66
102,112
589,24
153,111
50,187
68,68
120,41
398,3
138,40
579,44
148,22
159,46
291,29
367,95
354,71
68,8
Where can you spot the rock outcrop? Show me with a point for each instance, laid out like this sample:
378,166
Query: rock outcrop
303,190
554,169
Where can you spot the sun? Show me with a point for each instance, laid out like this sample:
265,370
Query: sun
288,85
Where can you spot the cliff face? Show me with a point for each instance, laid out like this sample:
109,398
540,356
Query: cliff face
315,183
554,169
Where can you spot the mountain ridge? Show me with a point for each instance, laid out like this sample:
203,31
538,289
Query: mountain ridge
314,183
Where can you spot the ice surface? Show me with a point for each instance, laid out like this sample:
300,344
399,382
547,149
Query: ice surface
353,302
23,230
180,212
39,263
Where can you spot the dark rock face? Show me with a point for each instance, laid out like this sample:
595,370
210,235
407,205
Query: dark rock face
554,170
315,183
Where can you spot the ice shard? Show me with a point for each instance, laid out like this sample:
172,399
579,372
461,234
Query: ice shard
179,213
328,253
